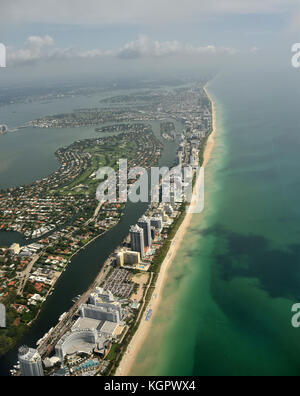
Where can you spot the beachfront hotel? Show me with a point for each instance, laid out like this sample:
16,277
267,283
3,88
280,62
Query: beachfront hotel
95,327
145,223
137,240
128,258
30,362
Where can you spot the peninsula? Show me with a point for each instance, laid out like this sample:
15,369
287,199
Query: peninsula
88,340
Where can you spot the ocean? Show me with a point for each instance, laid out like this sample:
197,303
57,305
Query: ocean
226,306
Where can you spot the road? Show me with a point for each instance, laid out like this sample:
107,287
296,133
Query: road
65,325
25,274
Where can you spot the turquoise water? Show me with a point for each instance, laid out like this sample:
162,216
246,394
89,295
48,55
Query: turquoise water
227,303
226,307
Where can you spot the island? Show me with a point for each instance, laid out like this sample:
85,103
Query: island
60,215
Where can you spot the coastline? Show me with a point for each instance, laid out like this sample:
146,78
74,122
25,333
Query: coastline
142,332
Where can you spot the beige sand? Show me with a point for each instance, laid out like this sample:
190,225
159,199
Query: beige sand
142,281
144,327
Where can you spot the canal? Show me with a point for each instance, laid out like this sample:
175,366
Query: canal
84,267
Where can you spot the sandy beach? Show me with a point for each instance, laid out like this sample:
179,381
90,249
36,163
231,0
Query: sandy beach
138,339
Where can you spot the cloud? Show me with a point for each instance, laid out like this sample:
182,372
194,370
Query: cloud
144,47
38,48
130,11
38,42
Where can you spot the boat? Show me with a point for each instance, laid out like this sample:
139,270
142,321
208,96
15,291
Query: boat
62,316
75,299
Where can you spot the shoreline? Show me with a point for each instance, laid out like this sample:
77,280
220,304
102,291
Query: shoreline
129,358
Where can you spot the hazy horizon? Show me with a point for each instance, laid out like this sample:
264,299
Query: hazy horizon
48,40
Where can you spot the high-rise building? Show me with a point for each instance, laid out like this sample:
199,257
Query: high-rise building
168,209
128,258
102,312
157,223
102,305
101,296
153,233
30,362
145,224
137,240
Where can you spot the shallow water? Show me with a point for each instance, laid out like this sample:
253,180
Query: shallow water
226,307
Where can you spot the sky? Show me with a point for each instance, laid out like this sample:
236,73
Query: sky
59,37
